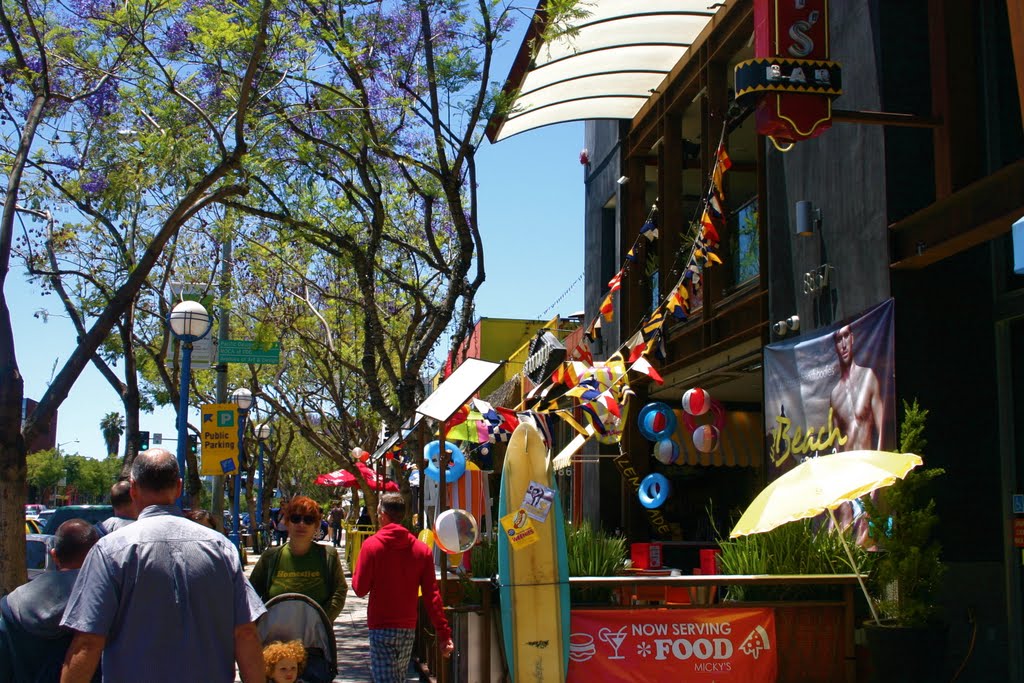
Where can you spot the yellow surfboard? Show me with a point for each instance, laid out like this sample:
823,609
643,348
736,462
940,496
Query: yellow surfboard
533,569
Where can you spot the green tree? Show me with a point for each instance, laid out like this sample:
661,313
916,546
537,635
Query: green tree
112,427
44,469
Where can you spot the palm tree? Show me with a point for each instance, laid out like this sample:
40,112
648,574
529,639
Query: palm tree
112,426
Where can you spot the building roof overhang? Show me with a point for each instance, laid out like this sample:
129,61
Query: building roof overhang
606,67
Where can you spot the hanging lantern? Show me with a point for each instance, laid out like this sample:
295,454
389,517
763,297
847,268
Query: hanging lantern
705,438
696,401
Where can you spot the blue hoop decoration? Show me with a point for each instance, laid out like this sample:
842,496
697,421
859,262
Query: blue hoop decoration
456,468
646,421
654,491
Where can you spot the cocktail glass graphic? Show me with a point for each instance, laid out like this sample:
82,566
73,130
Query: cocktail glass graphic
613,638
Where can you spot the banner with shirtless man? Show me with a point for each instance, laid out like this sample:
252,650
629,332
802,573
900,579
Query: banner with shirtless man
831,392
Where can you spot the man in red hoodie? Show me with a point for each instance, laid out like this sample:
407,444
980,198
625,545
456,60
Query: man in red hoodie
393,567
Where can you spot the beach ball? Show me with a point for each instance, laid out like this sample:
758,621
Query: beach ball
705,438
696,401
657,421
427,538
666,451
456,531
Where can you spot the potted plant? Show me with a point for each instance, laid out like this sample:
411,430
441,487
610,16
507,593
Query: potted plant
907,643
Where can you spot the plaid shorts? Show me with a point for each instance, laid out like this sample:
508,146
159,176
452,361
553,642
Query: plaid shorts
390,652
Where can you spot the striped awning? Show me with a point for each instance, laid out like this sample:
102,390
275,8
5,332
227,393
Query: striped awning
606,68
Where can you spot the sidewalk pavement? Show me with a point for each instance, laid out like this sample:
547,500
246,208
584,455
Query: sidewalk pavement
351,634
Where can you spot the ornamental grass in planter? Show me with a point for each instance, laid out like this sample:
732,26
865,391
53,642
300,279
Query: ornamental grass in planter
805,546
593,552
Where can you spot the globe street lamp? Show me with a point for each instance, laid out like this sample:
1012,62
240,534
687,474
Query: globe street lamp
189,322
262,433
242,398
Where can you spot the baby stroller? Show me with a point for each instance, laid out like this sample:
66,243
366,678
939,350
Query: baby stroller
292,616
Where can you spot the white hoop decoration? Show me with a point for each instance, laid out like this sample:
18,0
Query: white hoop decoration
456,468
666,451
654,491
706,438
656,421
696,401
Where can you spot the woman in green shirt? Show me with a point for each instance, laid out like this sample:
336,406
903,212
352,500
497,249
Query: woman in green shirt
302,565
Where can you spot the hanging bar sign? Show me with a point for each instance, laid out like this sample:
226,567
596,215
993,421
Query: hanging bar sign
791,77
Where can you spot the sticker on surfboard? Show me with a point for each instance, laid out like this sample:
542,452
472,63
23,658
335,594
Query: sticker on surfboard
537,501
519,529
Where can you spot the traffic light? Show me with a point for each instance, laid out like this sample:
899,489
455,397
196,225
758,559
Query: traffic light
193,444
143,441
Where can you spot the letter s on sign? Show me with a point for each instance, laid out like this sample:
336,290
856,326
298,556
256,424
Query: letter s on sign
803,43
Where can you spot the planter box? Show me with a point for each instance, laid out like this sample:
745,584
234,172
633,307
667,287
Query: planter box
810,643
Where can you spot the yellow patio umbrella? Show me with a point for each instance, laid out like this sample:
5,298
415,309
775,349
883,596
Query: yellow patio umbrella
822,484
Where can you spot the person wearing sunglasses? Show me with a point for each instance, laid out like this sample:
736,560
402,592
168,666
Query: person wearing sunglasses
301,565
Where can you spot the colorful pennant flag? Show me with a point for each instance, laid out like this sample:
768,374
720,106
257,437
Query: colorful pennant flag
636,345
615,284
608,308
649,230
643,366
654,323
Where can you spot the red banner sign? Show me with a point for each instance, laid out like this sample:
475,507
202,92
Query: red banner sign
791,76
720,645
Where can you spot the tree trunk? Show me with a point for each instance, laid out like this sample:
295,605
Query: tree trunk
12,461
12,387
130,396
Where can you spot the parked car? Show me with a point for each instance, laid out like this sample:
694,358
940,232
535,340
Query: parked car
37,554
43,516
32,510
32,526
94,514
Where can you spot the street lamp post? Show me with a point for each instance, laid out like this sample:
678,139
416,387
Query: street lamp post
189,322
243,399
262,433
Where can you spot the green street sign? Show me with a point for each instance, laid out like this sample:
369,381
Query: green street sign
244,351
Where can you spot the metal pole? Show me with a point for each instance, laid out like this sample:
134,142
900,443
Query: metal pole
223,329
186,368
236,536
442,502
259,499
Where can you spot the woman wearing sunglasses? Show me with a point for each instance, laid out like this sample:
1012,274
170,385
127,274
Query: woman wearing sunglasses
302,565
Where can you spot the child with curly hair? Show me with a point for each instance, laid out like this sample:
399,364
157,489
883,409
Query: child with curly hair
285,661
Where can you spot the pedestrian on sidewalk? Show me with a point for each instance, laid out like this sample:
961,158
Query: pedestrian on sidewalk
335,517
393,567
302,565
163,599
32,642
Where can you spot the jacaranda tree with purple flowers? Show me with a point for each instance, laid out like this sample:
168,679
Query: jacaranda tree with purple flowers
79,78
371,158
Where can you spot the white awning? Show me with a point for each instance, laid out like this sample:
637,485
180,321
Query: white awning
620,53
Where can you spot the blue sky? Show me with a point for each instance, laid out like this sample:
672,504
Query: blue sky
531,219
